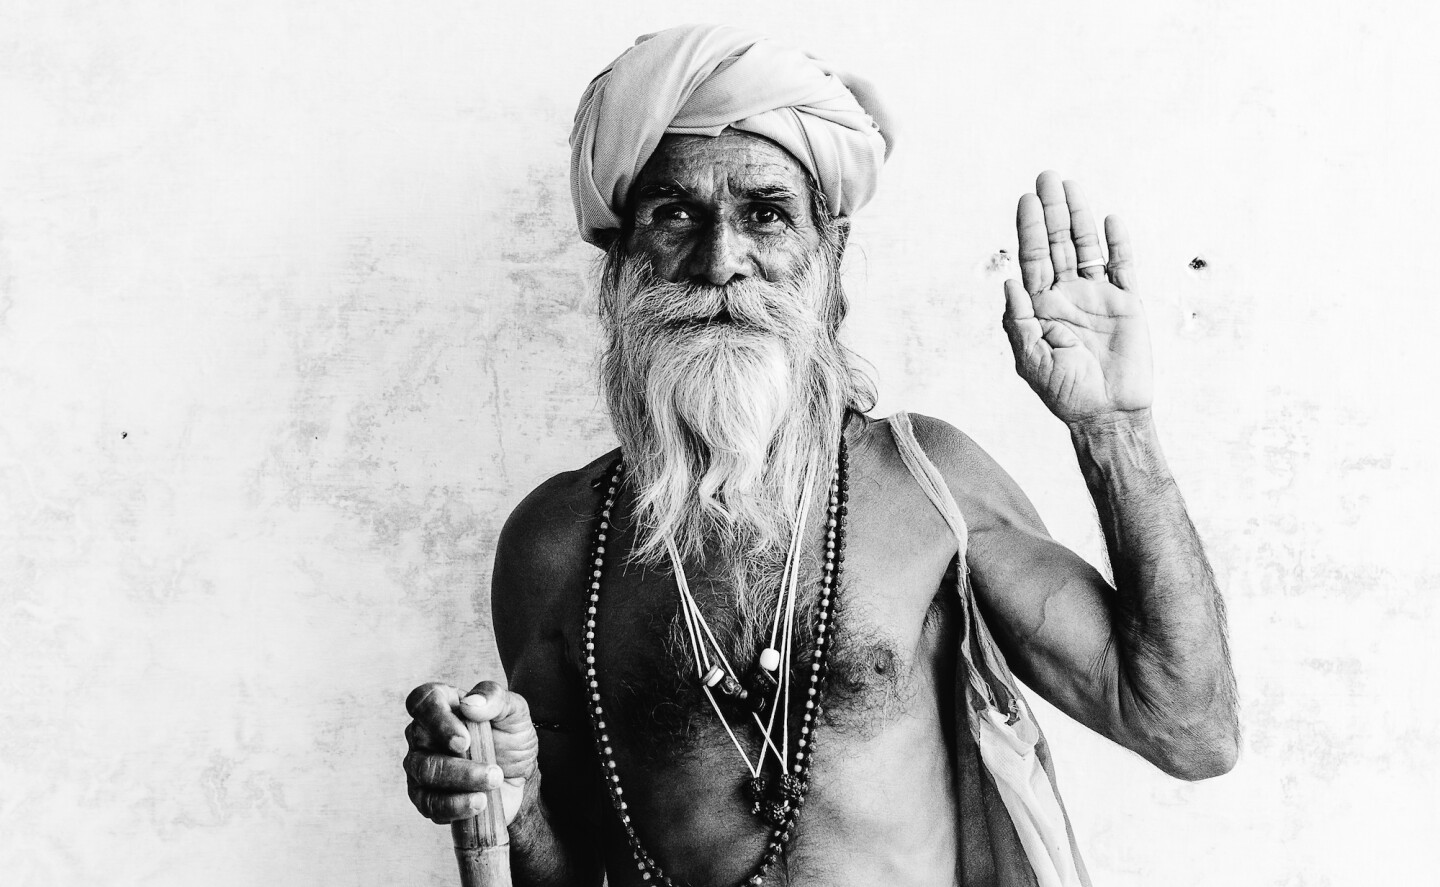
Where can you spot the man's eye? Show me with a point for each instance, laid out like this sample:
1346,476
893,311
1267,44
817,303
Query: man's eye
766,216
672,214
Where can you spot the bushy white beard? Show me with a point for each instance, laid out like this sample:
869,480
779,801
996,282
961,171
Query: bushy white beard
719,421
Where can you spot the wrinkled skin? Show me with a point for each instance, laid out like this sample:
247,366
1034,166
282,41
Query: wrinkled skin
882,805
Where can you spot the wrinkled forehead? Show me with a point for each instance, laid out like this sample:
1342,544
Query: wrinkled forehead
732,165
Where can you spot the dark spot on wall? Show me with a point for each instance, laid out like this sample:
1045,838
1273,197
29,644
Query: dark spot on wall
124,434
1198,263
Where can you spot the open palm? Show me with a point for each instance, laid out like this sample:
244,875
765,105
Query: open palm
1076,324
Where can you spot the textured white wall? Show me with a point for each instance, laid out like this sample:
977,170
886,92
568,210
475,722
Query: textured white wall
292,314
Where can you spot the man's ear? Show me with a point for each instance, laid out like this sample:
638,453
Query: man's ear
606,238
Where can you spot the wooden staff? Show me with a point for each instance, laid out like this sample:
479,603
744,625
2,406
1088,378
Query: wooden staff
482,843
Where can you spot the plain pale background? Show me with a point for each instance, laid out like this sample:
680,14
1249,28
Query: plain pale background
292,313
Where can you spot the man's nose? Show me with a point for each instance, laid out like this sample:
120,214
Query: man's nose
720,256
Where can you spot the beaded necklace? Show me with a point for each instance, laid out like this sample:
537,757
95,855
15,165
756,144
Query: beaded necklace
782,807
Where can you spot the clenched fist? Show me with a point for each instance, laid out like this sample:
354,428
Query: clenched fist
445,786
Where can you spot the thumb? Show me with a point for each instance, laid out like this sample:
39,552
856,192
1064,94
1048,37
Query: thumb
491,702
1019,320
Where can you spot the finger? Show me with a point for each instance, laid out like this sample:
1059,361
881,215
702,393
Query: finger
434,706
1035,267
506,711
1057,224
444,773
1089,258
418,736
1122,257
442,808
517,753
517,745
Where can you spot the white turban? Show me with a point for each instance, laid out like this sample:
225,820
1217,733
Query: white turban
700,79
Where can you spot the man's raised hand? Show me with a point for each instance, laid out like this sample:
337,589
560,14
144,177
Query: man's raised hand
443,785
1076,324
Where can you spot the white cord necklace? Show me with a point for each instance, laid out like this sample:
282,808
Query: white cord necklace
776,800
716,671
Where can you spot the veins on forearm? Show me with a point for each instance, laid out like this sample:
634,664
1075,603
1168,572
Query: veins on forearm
1167,614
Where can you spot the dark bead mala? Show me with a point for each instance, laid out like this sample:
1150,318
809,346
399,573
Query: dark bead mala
780,807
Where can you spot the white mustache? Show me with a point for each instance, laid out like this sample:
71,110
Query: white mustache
753,304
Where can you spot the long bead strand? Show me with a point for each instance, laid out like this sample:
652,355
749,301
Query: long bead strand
780,835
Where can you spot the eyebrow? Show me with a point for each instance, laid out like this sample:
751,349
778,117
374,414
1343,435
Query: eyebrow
665,191
676,191
770,192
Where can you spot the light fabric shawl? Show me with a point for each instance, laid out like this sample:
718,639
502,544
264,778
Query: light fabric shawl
1014,831
701,79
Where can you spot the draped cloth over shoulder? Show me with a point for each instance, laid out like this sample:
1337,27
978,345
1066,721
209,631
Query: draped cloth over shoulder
1014,831
701,79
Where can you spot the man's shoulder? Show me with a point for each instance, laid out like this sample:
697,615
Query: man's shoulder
975,479
954,452
540,558
556,516
539,579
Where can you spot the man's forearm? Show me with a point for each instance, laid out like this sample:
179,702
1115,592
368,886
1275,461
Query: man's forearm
538,856
1176,689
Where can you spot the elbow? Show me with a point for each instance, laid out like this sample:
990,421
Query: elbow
1204,765
1188,744
1192,735
1198,758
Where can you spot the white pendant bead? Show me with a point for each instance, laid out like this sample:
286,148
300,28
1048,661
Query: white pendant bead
769,658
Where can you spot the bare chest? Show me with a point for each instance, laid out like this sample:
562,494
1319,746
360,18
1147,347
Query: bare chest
896,554
884,703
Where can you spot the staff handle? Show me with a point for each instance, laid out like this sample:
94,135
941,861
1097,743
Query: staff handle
482,843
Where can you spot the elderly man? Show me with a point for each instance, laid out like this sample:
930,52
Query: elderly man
771,639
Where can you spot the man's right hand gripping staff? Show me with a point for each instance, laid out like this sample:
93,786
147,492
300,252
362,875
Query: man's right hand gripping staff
444,785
